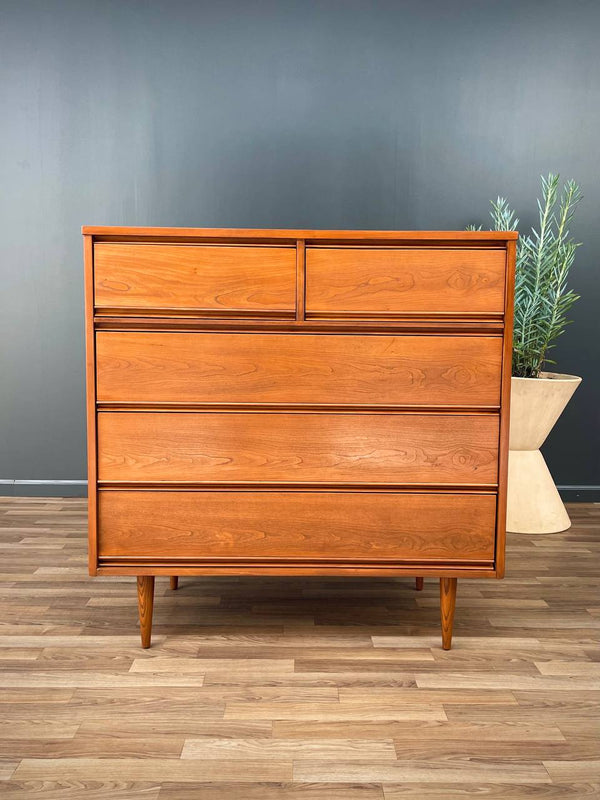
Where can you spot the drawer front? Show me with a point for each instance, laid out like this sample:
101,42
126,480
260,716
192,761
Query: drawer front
330,369
298,448
388,281
166,277
296,525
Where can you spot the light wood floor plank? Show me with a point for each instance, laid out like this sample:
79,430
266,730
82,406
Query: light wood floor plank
588,770
428,731
333,711
474,680
101,680
151,769
291,749
81,790
464,772
271,791
572,669
491,791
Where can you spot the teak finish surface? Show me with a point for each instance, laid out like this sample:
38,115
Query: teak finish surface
299,369
298,403
304,369
330,526
298,448
398,280
292,236
163,277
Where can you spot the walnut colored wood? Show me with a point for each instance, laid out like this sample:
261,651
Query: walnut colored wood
477,238
300,280
383,280
196,277
511,250
447,605
299,526
90,374
300,448
419,583
275,368
295,403
173,582
145,586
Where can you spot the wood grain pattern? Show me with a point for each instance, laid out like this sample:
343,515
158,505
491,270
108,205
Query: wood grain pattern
509,313
314,568
300,280
262,395
145,587
144,233
280,525
447,607
357,654
170,276
90,398
300,448
404,280
308,368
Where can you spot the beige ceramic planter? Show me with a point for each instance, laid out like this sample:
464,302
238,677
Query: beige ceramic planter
534,505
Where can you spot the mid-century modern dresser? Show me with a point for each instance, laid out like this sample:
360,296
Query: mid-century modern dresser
295,402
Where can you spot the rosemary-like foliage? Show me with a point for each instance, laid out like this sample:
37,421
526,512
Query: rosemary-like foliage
544,258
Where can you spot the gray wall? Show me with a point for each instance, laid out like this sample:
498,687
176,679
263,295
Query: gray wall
332,114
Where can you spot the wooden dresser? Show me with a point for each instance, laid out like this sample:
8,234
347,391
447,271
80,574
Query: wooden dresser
282,402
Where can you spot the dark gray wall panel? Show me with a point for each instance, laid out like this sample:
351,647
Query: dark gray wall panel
332,114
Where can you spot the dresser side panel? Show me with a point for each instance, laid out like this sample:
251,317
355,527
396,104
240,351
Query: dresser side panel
90,371
509,313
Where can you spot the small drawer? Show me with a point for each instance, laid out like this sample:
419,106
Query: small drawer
298,369
163,278
385,282
325,449
316,526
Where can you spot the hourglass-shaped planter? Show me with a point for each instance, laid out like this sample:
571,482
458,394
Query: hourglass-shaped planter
534,505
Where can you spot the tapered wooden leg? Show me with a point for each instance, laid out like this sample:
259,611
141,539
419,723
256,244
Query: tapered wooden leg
419,584
173,582
145,586
447,604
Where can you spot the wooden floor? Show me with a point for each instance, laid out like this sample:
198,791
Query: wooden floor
298,689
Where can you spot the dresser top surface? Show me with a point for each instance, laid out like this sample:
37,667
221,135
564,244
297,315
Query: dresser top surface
137,233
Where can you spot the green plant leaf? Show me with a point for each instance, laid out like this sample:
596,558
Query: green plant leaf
544,259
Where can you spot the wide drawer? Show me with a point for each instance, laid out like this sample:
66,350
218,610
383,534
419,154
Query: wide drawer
396,281
297,369
454,528
196,278
299,448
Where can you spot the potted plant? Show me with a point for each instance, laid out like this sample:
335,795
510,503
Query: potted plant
538,397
